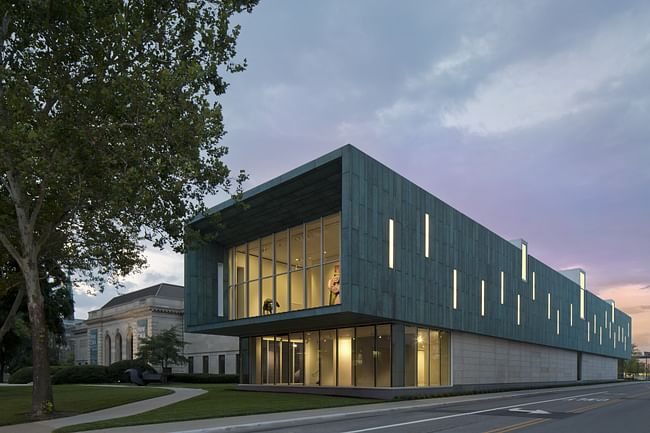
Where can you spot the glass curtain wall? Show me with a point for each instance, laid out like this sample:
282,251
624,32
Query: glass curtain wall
358,356
290,270
426,357
333,357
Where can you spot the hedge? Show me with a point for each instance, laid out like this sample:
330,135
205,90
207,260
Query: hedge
81,374
204,378
24,374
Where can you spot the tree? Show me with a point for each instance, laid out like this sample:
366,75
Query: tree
633,365
163,349
110,131
15,344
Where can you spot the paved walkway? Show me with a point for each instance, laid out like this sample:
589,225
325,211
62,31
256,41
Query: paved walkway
137,407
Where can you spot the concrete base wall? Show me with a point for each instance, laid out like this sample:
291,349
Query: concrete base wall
596,367
478,359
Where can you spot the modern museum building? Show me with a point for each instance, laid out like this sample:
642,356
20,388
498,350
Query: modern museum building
342,274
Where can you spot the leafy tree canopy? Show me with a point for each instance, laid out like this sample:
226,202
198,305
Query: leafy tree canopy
163,349
110,131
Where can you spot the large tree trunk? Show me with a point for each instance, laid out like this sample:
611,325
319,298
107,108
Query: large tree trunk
9,319
42,400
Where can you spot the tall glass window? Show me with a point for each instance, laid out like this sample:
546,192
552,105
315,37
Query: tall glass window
364,356
345,341
445,358
312,373
253,298
383,355
410,355
313,261
358,356
328,357
297,358
423,357
434,357
290,270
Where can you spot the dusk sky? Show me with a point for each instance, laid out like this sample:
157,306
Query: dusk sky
531,117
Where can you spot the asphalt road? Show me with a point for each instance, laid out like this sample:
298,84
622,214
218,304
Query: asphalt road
602,408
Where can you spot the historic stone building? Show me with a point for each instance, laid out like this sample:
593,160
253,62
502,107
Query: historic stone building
112,333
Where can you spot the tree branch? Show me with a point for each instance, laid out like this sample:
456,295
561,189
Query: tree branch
11,249
9,320
37,207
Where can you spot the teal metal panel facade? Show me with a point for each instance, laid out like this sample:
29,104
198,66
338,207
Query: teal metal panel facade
418,290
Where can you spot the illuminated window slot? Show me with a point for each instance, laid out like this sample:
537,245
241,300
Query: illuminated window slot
588,332
595,330
524,262
571,314
548,306
601,335
606,319
426,235
557,322
482,297
391,243
582,295
613,308
503,288
518,310
534,286
455,289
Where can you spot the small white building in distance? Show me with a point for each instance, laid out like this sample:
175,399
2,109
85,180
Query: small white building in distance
112,333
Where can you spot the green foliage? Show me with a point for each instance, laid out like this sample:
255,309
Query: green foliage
110,131
115,371
22,375
633,365
163,349
110,126
204,378
81,374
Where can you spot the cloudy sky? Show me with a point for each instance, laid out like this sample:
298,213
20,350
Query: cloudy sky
532,117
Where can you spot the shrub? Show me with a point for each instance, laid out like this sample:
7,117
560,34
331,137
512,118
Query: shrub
204,378
22,375
115,371
81,374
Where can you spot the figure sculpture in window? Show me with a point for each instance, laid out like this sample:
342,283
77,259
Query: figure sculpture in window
334,286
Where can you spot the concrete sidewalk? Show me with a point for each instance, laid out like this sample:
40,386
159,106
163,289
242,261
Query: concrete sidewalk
137,407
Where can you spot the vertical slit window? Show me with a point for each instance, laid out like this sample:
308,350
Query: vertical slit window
482,297
595,330
588,332
571,314
613,308
534,286
601,335
391,243
548,306
557,322
524,261
503,288
455,289
518,310
426,235
582,295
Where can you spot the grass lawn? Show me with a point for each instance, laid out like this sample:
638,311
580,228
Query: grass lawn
16,401
222,400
